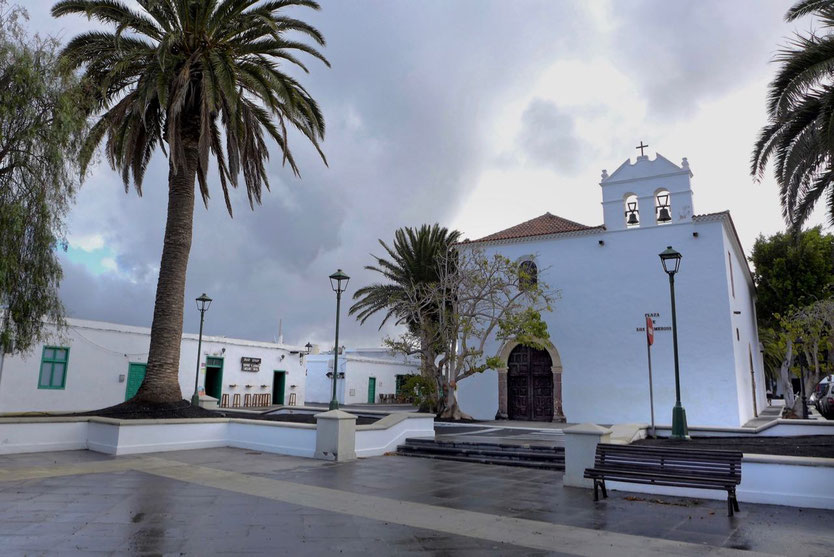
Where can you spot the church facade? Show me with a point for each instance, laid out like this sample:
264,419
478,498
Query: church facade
609,278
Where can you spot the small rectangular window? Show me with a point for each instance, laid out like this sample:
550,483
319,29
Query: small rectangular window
732,279
53,374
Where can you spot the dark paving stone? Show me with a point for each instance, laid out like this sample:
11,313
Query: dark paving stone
136,513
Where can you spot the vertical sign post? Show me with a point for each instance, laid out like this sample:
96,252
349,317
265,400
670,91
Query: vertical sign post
649,342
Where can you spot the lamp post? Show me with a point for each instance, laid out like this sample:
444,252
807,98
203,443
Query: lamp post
336,280
671,261
203,303
801,361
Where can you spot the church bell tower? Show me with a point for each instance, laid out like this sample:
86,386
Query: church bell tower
647,193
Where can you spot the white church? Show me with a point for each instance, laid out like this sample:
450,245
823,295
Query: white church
595,367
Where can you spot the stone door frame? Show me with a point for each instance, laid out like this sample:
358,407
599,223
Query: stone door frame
556,369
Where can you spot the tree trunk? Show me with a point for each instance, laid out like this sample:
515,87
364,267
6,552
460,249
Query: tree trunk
450,409
161,382
785,377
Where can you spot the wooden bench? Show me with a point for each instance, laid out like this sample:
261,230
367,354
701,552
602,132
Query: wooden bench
667,466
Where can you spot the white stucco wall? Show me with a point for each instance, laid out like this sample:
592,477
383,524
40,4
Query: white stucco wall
741,299
604,292
99,353
358,365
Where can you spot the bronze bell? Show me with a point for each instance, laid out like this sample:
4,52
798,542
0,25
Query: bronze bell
664,215
632,217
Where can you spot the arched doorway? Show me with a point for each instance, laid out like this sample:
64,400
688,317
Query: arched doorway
529,385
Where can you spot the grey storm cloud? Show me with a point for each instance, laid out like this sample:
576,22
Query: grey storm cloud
686,52
547,137
408,103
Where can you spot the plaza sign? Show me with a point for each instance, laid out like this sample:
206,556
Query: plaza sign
651,317
250,364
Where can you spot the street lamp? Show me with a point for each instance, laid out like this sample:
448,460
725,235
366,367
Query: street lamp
336,282
671,260
203,303
801,361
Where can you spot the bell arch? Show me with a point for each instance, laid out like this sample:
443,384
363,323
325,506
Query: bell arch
631,211
555,369
662,206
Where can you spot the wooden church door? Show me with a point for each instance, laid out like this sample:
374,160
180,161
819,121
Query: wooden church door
529,385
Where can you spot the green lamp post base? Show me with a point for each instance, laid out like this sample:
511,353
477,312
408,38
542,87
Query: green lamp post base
679,429
195,399
334,404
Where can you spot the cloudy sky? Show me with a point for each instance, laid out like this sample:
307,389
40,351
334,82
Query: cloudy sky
475,114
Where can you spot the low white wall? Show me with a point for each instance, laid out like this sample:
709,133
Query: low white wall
152,436
392,430
768,479
122,437
273,437
31,436
776,428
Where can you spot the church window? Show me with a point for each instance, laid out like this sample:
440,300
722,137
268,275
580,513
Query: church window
732,279
528,274
662,207
632,213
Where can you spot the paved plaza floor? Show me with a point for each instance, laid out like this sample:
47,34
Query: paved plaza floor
238,502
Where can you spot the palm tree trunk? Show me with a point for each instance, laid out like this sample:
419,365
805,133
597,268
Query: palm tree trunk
161,382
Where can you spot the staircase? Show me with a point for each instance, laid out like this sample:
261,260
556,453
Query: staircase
546,458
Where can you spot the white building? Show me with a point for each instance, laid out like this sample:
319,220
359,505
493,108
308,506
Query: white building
364,375
609,277
95,365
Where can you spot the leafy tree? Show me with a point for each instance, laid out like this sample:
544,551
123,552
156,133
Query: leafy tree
799,135
814,325
41,126
477,300
198,79
791,271
421,391
414,259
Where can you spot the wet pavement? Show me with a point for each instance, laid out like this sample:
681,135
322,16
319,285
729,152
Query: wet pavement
232,501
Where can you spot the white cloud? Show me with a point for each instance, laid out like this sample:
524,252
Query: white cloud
109,264
88,242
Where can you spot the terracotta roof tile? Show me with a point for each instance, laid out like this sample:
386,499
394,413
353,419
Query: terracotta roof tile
539,226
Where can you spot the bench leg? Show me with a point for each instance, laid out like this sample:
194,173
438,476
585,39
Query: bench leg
732,502
596,491
604,491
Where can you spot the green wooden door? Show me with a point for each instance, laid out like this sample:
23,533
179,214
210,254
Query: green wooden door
371,390
135,376
214,377
279,379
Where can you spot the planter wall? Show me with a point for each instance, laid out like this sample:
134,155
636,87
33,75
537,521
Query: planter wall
123,437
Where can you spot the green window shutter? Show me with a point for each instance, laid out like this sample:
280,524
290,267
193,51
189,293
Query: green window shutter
53,373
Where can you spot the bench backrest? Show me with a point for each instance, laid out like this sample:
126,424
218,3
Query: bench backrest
671,459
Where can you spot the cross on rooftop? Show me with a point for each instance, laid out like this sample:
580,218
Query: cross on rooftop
641,147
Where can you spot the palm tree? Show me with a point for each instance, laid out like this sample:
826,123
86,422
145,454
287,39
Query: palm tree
415,257
414,260
799,136
189,76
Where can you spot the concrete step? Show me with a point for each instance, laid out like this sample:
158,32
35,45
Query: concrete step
550,458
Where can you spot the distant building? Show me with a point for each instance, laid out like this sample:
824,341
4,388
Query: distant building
609,277
364,375
94,365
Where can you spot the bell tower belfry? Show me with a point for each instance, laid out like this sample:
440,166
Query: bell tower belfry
647,193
